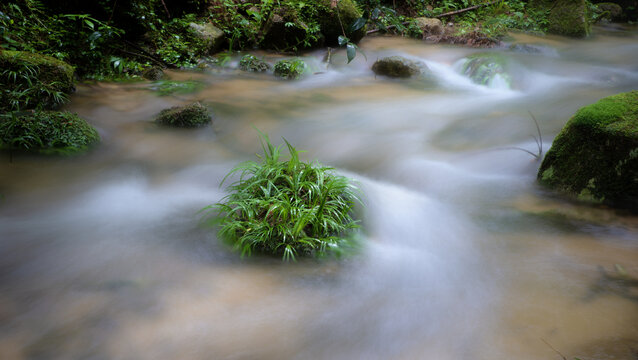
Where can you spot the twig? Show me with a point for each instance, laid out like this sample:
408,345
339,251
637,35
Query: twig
539,142
112,12
166,9
466,9
146,53
551,347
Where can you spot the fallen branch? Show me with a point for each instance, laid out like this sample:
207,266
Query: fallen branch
466,9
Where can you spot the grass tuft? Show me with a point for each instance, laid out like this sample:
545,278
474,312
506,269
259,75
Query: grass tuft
286,208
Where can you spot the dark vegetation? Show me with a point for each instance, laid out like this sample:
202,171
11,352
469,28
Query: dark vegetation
191,115
287,208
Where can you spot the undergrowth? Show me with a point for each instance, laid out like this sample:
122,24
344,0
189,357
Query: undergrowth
286,208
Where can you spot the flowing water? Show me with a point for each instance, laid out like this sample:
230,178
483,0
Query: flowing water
464,255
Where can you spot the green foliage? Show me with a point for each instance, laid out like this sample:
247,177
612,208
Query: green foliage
192,115
250,62
46,132
32,81
176,42
287,208
290,69
171,87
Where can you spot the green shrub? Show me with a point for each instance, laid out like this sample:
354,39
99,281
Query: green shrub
290,69
46,132
191,115
252,63
288,208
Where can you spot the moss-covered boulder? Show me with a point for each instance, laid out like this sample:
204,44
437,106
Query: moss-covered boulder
331,27
154,73
489,69
398,67
429,26
290,69
595,156
252,63
566,17
610,12
191,115
29,81
285,30
212,37
629,8
46,132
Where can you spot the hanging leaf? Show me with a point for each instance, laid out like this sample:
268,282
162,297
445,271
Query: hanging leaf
357,24
351,51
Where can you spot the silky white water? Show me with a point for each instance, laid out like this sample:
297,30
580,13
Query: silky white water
463,255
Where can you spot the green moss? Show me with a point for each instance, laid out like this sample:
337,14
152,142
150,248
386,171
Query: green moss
290,69
253,64
569,18
170,87
46,132
595,155
191,115
33,81
485,67
330,25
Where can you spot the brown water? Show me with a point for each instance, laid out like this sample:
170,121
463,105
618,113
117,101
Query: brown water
464,256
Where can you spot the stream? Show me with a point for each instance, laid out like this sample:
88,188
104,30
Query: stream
463,256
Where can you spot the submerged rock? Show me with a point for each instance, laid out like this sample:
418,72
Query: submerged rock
398,67
191,115
153,73
290,69
595,156
212,36
46,132
486,69
252,63
33,72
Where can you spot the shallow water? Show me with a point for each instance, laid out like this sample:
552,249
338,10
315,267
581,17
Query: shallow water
464,256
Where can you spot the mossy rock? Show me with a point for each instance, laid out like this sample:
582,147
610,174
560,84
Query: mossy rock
154,73
398,67
191,115
430,26
486,69
610,12
285,30
46,132
629,8
212,37
252,63
47,77
595,156
347,12
566,17
290,69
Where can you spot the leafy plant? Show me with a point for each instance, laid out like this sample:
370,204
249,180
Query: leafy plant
48,132
290,69
287,208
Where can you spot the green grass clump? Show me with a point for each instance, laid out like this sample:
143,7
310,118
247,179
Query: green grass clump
46,132
290,69
288,208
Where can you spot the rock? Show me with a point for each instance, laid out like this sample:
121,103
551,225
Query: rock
398,67
595,156
252,63
210,34
290,69
48,73
629,9
486,69
329,16
285,31
566,17
46,132
153,73
430,26
191,115
610,12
